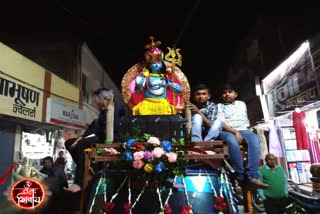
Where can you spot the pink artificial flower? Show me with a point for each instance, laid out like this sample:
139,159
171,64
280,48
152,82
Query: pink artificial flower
138,155
154,140
138,164
172,157
111,151
157,152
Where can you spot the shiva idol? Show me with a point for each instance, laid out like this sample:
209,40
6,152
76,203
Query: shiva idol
154,82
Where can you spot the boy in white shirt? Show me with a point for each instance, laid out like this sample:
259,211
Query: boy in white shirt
235,131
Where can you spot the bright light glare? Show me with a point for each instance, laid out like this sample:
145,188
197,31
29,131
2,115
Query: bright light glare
198,182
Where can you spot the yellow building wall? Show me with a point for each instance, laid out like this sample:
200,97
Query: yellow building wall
17,66
64,91
17,71
22,82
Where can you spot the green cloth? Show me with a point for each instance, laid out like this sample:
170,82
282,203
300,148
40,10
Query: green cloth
277,180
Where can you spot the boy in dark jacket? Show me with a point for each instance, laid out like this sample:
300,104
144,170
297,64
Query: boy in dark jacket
95,133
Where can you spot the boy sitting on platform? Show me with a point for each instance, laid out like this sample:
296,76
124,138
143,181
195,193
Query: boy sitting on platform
205,125
95,133
233,113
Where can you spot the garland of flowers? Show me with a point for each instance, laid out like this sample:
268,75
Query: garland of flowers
149,162
108,206
127,206
211,184
229,191
148,156
140,194
96,192
160,200
219,204
187,209
166,209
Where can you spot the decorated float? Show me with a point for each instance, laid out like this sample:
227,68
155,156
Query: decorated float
155,168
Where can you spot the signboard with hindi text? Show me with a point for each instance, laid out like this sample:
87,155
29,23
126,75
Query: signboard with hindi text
292,84
20,99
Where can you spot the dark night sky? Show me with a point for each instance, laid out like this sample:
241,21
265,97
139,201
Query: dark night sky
207,32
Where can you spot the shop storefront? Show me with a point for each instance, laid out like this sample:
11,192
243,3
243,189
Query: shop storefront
38,111
292,99
72,119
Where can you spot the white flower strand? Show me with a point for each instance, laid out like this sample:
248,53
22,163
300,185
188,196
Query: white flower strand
221,189
186,194
160,200
170,191
168,197
221,184
129,192
118,190
211,184
96,192
105,191
140,194
229,192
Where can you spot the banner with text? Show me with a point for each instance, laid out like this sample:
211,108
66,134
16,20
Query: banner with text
292,84
64,114
19,99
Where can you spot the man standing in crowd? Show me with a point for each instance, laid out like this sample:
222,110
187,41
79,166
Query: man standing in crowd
233,113
61,160
56,182
277,194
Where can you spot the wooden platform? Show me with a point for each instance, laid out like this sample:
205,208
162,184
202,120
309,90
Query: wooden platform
218,147
199,152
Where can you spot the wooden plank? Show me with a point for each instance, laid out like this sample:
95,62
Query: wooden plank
102,145
204,157
219,147
98,158
205,143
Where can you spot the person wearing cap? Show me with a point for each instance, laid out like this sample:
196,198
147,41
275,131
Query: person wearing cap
95,133
235,131
204,123
154,82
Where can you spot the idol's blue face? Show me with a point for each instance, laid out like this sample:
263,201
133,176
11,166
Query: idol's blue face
156,67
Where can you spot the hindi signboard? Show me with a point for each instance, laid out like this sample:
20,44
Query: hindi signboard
292,84
19,99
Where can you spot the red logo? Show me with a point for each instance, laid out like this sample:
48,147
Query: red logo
27,194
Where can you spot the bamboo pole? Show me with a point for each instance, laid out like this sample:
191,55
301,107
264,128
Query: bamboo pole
110,121
188,116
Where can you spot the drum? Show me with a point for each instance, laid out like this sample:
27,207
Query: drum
199,189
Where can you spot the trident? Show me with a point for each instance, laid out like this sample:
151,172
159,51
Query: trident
174,57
